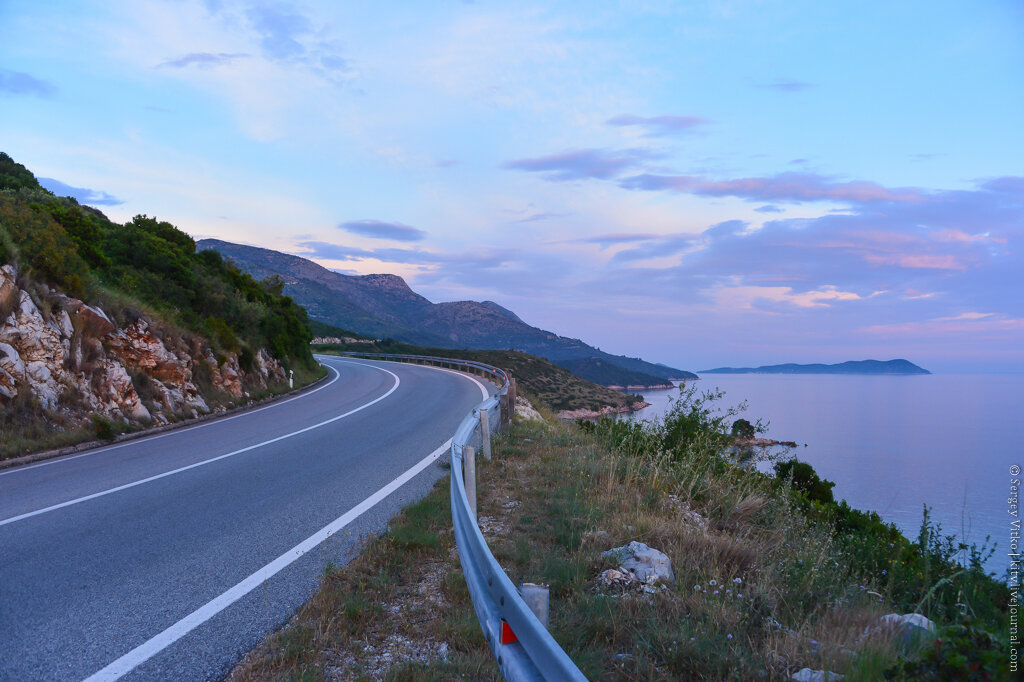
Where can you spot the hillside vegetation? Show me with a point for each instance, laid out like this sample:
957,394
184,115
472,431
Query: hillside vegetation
605,373
145,263
555,387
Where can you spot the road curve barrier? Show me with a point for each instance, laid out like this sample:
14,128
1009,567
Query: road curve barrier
521,644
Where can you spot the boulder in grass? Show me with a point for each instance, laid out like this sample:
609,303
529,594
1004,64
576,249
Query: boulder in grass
648,564
808,675
911,629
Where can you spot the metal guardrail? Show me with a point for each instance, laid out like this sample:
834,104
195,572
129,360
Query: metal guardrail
524,649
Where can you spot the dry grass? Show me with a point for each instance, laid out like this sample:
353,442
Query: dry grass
758,593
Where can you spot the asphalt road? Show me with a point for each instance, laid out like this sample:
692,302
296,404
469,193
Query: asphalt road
170,557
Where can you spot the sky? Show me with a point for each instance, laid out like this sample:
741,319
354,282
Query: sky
695,183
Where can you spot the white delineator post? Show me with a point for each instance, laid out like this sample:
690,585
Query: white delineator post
291,378
469,475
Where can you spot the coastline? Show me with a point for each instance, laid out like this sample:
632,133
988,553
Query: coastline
606,411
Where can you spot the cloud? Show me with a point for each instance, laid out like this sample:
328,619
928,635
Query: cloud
911,260
780,187
19,83
659,125
379,229
204,60
963,237
481,258
662,247
965,316
583,163
606,240
949,249
280,27
538,217
82,195
969,323
769,209
786,85
749,297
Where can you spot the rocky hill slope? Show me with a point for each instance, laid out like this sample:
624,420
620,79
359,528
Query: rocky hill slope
385,306
71,357
107,327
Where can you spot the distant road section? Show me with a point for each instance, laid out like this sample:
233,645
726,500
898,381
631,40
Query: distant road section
169,557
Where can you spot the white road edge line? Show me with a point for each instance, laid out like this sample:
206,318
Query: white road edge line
155,645
102,493
101,450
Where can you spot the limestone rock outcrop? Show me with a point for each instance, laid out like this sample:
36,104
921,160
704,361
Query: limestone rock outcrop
72,357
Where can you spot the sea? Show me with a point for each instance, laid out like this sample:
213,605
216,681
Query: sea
893,444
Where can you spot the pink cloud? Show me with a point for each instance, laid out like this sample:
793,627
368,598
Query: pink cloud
962,237
970,323
916,261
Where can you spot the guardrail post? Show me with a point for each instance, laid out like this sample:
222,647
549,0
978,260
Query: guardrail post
536,597
511,400
469,475
485,433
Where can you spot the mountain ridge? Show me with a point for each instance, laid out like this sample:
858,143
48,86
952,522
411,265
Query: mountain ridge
383,305
891,367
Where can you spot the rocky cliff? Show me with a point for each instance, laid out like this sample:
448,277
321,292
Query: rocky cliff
73,359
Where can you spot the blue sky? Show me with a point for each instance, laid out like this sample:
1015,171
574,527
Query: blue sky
697,183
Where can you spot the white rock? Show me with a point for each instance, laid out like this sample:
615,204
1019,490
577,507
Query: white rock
526,411
809,675
911,629
63,323
648,564
895,620
10,360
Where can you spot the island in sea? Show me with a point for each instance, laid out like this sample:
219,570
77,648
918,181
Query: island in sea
899,366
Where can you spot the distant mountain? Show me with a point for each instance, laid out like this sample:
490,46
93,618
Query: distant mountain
384,306
851,367
605,373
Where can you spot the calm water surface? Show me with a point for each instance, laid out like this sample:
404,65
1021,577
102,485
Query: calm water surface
895,443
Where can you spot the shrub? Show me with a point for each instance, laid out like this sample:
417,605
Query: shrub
804,478
103,427
962,651
741,428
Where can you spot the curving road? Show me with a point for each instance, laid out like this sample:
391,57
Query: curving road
169,557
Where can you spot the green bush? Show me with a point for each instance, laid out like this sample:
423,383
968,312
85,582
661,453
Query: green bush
44,248
148,261
804,478
741,428
962,652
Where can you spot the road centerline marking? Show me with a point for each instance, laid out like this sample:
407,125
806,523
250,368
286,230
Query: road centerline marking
195,465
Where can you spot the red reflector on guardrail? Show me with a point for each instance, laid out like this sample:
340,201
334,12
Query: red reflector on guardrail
507,636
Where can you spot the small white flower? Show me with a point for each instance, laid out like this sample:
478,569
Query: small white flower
712,582
738,581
